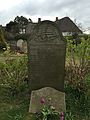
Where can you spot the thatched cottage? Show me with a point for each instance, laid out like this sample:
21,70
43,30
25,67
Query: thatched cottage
67,26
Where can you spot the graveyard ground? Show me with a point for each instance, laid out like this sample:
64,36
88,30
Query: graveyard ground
16,107
14,97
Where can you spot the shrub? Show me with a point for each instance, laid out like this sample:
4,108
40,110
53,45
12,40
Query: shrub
77,67
77,62
13,71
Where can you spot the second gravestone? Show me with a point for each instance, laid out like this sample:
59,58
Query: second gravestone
46,51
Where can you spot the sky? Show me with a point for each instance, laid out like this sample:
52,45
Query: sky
46,9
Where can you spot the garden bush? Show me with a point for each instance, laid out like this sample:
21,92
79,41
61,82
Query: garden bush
77,62
13,72
77,67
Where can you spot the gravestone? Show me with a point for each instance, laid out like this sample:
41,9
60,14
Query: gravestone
46,53
22,44
19,43
51,97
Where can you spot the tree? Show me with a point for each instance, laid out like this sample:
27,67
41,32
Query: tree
18,25
22,22
12,27
2,40
80,26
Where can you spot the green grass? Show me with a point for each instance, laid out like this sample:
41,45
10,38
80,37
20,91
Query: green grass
14,108
6,56
80,109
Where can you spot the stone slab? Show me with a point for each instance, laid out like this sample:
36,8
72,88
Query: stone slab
52,97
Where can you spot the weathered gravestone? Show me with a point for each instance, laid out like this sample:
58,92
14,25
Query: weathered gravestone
46,51
22,44
51,97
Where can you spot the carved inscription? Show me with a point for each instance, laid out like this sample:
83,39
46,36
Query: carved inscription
46,57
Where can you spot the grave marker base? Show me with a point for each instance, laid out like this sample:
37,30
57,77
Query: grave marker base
52,97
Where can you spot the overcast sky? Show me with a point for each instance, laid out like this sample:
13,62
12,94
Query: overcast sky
46,9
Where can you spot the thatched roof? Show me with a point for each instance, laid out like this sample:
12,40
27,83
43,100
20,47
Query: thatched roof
67,25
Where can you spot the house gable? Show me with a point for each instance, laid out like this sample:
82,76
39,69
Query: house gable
67,25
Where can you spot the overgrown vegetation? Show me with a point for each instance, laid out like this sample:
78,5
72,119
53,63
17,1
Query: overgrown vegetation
14,97
77,69
13,72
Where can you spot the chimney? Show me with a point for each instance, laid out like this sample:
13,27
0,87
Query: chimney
56,18
39,20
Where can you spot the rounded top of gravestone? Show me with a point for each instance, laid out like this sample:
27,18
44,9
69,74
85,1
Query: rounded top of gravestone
47,32
46,51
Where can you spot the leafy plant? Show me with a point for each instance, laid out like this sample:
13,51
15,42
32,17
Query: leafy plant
69,116
48,112
77,68
77,63
13,71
